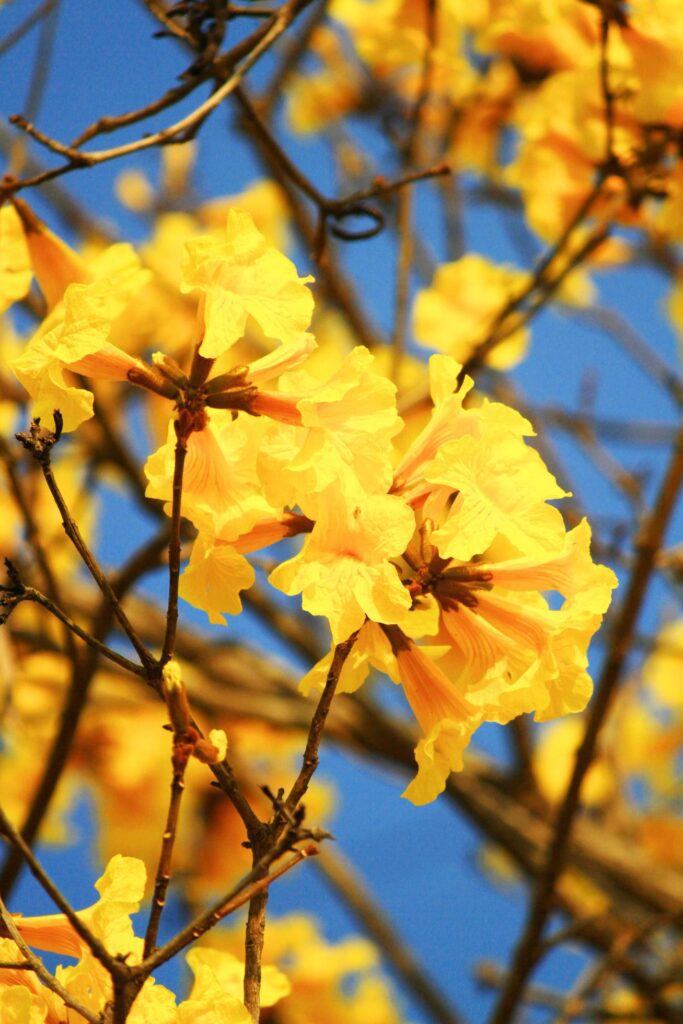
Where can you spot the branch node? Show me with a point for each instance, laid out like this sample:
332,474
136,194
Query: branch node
40,441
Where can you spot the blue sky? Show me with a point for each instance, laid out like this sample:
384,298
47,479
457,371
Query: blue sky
422,863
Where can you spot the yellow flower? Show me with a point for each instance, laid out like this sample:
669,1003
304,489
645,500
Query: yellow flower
314,100
540,37
392,36
221,487
554,757
476,136
241,276
663,669
208,1002
343,570
371,650
215,997
74,337
336,983
54,263
445,716
461,307
15,262
337,430
653,41
502,488
510,651
222,496
486,547
449,420
121,889
214,577
216,970
264,200
23,998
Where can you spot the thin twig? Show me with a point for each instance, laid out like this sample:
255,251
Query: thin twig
354,205
174,546
262,842
34,539
74,534
113,122
245,890
29,22
163,873
40,72
177,132
291,58
315,732
82,676
404,233
607,94
500,329
55,894
31,594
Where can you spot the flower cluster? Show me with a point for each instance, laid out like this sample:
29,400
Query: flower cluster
439,556
215,997
303,974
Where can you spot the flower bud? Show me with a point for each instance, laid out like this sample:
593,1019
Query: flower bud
176,697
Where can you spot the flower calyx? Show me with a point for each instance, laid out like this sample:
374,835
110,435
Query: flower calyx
451,584
194,393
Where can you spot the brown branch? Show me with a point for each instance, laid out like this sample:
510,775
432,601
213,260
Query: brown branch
163,873
181,130
65,206
174,545
404,233
29,22
247,889
315,732
38,81
34,539
292,56
337,210
24,593
225,778
55,894
519,730
82,676
112,123
607,94
287,811
500,329
171,25
39,443
254,936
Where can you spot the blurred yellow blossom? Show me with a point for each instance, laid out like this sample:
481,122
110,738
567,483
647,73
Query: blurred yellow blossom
85,300
464,304
15,263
